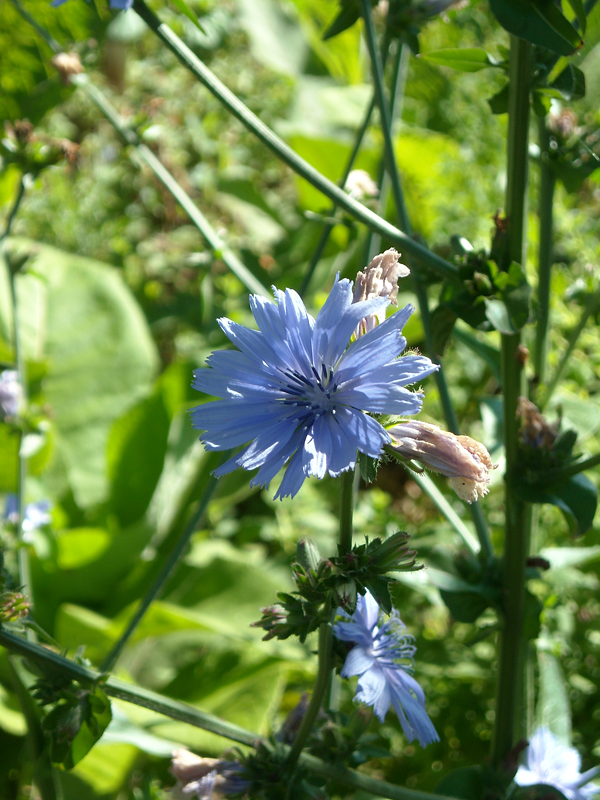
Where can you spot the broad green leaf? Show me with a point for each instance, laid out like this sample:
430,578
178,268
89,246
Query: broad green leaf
579,11
470,59
183,7
553,707
105,768
276,38
443,319
497,313
570,83
9,458
75,726
121,729
577,498
136,453
523,18
79,316
549,11
465,783
560,557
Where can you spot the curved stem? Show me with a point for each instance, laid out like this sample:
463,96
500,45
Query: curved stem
15,207
163,576
592,306
319,691
285,153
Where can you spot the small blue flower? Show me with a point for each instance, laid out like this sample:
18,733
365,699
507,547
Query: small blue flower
295,391
555,764
382,658
122,5
36,514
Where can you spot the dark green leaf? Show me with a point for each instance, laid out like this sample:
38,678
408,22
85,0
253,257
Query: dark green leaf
349,14
579,10
497,313
465,606
136,452
443,319
368,467
379,588
541,791
75,727
570,83
183,7
465,783
524,19
470,59
499,102
550,12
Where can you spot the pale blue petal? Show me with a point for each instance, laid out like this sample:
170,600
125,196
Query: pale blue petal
368,609
382,399
253,343
351,632
374,347
295,475
412,714
340,298
342,452
358,661
365,433
373,690
340,336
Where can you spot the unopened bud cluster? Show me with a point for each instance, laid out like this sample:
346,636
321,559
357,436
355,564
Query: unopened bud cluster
14,606
323,583
465,461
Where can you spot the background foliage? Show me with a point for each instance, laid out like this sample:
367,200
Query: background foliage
119,298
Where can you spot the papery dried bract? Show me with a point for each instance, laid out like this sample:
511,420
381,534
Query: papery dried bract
465,461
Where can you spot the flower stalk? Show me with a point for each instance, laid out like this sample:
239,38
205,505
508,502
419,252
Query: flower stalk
510,713
546,202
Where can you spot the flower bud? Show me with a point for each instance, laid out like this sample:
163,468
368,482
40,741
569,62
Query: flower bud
13,607
307,555
466,462
360,184
188,767
67,64
380,279
345,595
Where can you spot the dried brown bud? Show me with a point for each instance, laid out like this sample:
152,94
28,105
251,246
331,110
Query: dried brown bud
535,430
380,279
22,130
67,64
465,461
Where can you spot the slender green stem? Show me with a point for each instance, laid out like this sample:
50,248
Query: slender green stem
510,689
319,691
346,510
546,198
399,75
405,224
51,662
163,576
428,486
285,153
592,306
15,208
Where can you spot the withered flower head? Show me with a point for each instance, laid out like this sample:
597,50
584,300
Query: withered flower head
380,279
465,461
360,184
535,430
67,64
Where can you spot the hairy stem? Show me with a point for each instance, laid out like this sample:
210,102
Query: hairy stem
159,582
510,688
285,153
405,224
546,198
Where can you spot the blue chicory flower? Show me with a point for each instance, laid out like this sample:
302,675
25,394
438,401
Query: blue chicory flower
207,777
549,761
295,391
382,658
10,393
36,514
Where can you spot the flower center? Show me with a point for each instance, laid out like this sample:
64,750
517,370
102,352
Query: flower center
315,393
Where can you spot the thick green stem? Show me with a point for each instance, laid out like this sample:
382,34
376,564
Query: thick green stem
321,686
159,582
285,153
591,307
510,712
346,510
546,198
